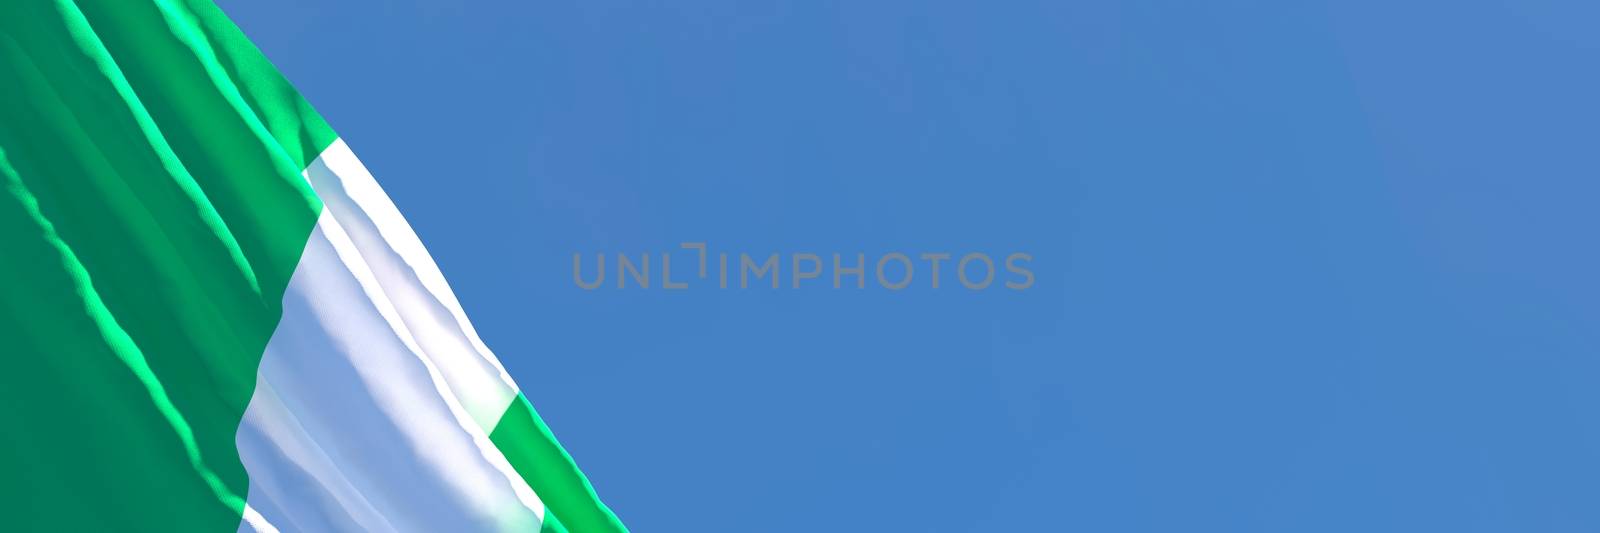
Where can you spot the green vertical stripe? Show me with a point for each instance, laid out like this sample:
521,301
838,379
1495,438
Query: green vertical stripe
150,217
533,451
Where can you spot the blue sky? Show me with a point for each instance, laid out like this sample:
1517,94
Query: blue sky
1301,266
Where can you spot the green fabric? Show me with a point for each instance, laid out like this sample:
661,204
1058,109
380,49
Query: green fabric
551,524
533,451
151,213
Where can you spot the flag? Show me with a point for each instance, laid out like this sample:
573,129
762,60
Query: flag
213,319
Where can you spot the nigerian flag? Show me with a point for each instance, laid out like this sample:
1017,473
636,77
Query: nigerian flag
213,319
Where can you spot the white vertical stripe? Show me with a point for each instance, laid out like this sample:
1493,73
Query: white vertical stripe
253,522
411,278
374,397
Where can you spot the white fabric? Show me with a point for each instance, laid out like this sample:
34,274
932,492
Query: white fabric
374,397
